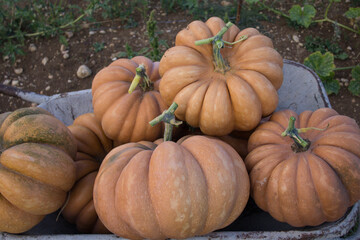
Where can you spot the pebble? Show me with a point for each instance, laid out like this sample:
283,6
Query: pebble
102,32
50,76
47,88
83,71
5,58
69,34
301,44
346,84
344,80
92,32
15,83
62,48
225,3
111,45
295,38
32,47
66,55
18,71
349,48
44,61
353,100
7,82
69,81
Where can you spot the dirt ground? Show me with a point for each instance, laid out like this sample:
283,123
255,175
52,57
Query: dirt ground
58,75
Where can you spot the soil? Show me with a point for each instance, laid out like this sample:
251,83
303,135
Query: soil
58,75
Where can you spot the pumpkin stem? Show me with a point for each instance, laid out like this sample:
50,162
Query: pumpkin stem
301,145
168,117
218,43
146,84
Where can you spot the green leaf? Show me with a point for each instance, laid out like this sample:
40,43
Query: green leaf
322,64
353,13
342,56
331,85
354,86
302,15
355,73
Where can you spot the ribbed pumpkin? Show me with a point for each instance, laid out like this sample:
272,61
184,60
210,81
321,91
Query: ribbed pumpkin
221,89
124,116
36,167
93,146
171,190
313,180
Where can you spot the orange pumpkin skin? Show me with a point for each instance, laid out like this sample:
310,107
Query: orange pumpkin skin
218,102
311,187
93,146
36,167
123,116
170,190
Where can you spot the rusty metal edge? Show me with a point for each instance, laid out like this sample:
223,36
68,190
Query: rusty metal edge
334,231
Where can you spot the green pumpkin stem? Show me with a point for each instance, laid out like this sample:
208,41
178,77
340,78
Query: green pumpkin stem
301,145
218,43
168,117
145,84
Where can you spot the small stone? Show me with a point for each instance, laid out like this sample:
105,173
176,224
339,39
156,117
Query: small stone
50,76
47,88
225,3
5,58
69,81
91,33
344,80
132,33
7,82
111,45
295,38
341,84
102,32
18,71
83,71
114,38
346,84
93,62
287,49
66,55
69,34
85,25
301,44
353,100
62,48
349,48
32,47
15,83
34,104
44,61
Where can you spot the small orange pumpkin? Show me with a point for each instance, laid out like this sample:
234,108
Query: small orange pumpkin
36,167
124,116
313,180
217,88
93,146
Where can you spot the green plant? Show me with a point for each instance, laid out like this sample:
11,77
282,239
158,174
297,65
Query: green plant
314,44
323,65
98,46
22,20
304,15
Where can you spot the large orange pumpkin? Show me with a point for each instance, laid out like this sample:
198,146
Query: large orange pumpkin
309,182
221,89
36,167
124,116
171,190
93,146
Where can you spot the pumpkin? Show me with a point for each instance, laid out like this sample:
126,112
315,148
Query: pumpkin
124,116
311,177
93,146
217,88
36,167
164,189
